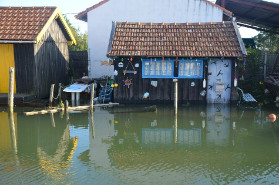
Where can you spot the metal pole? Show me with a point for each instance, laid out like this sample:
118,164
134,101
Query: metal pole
11,89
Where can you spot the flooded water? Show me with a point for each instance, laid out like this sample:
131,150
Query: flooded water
210,144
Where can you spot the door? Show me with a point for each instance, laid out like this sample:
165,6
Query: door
6,61
219,81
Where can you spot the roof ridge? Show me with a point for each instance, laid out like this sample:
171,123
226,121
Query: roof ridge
78,16
173,23
216,5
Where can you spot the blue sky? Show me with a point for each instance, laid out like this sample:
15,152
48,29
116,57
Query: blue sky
71,7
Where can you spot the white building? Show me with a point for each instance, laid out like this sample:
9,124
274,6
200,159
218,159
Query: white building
101,15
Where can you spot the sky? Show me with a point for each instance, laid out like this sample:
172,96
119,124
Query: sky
70,8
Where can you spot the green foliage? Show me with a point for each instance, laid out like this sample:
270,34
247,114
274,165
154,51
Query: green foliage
252,83
266,41
81,38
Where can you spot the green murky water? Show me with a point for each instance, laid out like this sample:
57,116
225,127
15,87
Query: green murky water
213,144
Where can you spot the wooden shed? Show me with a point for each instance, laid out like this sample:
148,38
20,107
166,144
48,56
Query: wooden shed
202,56
34,40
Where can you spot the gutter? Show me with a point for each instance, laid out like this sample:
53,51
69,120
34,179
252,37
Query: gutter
242,46
17,42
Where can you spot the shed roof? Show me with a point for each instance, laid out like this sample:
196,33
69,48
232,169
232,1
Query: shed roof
254,12
83,15
30,23
176,40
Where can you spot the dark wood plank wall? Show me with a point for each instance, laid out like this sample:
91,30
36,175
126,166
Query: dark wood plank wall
24,68
78,63
163,93
51,60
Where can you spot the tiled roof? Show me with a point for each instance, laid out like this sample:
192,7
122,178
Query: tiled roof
175,40
83,15
23,23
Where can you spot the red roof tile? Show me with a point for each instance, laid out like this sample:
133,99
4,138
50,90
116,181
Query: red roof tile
175,40
23,23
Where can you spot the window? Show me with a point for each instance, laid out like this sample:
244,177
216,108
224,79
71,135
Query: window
190,69
157,69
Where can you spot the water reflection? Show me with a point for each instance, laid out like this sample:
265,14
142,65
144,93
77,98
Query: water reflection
213,144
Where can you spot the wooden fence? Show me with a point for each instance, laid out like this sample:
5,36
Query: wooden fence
78,64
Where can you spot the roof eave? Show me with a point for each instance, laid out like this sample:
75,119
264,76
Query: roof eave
18,42
55,15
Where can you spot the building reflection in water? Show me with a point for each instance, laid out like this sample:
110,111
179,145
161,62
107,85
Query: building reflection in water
37,141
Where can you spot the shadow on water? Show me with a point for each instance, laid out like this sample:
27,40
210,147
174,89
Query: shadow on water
203,144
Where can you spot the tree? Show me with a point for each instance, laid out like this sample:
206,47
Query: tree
81,38
267,41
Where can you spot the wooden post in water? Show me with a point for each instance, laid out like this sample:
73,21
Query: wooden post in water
92,96
66,106
67,110
92,123
11,89
175,95
175,128
52,119
59,93
51,95
13,132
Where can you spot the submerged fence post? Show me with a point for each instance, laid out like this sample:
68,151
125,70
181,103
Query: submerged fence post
175,95
51,95
92,96
11,89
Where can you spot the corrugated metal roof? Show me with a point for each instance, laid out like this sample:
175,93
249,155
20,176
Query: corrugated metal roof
254,12
175,40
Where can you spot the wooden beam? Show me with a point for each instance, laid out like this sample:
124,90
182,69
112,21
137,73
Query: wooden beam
79,108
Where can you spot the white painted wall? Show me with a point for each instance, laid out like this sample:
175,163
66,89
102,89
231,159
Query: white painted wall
219,72
156,11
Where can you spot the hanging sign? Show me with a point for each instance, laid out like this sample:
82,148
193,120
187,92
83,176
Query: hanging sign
220,87
120,64
154,83
130,72
128,82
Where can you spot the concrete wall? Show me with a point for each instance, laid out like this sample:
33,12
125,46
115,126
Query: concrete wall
157,11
